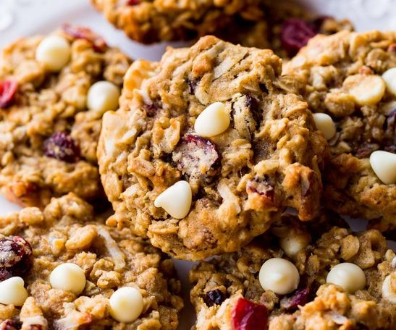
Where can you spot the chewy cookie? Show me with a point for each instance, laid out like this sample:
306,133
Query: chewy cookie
209,146
310,276
351,86
62,269
53,93
149,21
284,27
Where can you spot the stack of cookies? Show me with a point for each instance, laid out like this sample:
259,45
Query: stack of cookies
243,159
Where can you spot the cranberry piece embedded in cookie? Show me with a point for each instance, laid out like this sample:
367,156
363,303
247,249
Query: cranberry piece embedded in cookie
214,297
10,325
295,34
80,32
197,157
61,146
247,315
263,188
133,2
8,89
15,256
299,298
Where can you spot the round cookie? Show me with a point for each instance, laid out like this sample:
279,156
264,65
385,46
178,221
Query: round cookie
48,136
157,20
230,186
228,290
283,27
346,78
66,237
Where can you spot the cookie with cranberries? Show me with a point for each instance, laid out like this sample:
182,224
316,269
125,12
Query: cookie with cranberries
282,26
322,275
72,270
50,113
349,80
208,148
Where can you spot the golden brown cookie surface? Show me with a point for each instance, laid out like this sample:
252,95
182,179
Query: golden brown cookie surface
48,136
268,155
34,243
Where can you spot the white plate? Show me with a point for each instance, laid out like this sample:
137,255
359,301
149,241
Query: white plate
29,17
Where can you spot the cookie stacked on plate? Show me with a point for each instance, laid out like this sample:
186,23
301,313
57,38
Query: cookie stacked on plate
217,151
61,267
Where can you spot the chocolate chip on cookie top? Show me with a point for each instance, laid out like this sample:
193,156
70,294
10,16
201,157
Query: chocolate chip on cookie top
336,279
208,148
62,268
53,93
350,87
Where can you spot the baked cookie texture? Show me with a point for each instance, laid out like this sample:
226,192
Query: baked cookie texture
341,74
252,23
220,283
160,20
241,180
67,232
48,138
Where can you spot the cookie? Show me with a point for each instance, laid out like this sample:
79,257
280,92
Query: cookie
66,270
350,86
317,275
53,93
208,148
282,27
157,20
285,29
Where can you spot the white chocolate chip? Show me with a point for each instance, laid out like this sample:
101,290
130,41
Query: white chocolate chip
383,164
13,292
366,89
54,52
325,124
68,277
291,245
279,275
389,77
348,276
103,96
176,200
214,120
126,304
387,292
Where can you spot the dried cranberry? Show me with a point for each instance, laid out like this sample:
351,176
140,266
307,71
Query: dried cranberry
261,187
133,2
295,34
299,298
247,315
79,32
10,325
197,157
61,146
214,297
15,256
8,89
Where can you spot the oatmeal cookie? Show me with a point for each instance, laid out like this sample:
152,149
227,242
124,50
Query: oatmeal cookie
284,27
149,21
317,275
349,79
48,132
208,148
74,268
